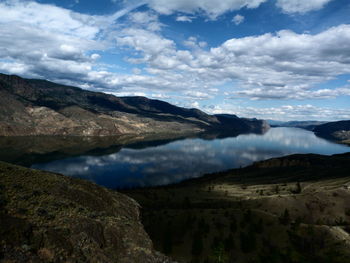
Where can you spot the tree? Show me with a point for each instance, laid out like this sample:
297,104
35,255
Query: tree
219,255
285,217
197,244
168,240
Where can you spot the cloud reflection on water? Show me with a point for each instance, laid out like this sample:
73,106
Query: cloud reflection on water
188,158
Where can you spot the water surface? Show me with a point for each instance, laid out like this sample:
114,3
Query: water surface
159,164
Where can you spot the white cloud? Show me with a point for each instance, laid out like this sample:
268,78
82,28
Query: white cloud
184,18
149,43
285,65
212,9
136,71
194,104
283,113
238,19
148,20
50,41
191,42
301,6
95,56
199,95
295,94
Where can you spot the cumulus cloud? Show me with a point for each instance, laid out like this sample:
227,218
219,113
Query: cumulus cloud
39,40
45,41
212,9
284,65
283,113
238,19
301,6
148,20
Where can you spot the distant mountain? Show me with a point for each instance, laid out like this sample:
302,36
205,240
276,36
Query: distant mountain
275,123
338,131
40,107
308,125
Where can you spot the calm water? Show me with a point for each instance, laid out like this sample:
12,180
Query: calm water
187,158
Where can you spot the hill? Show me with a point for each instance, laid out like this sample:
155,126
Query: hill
289,209
40,107
337,131
47,217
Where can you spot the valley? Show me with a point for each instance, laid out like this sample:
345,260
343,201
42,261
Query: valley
174,131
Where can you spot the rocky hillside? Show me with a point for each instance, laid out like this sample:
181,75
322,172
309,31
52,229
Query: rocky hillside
39,107
290,209
337,131
47,217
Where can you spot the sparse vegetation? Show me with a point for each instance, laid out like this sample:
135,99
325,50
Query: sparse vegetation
252,223
47,217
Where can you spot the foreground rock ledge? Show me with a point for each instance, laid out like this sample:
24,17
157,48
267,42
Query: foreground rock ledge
47,217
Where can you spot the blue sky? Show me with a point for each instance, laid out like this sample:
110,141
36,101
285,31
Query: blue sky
271,59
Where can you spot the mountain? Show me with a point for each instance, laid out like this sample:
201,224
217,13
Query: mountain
337,131
47,217
308,125
40,107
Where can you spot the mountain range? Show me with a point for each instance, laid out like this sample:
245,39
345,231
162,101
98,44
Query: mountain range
40,107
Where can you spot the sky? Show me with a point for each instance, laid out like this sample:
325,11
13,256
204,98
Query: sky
269,59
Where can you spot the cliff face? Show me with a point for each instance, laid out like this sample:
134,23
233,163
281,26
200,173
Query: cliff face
46,217
338,131
39,107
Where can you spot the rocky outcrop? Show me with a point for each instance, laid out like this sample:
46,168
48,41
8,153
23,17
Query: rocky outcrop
337,131
47,217
39,107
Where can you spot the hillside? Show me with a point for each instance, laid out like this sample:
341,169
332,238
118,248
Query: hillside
47,217
40,107
291,209
308,125
337,131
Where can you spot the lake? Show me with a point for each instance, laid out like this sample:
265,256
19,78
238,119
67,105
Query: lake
164,161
